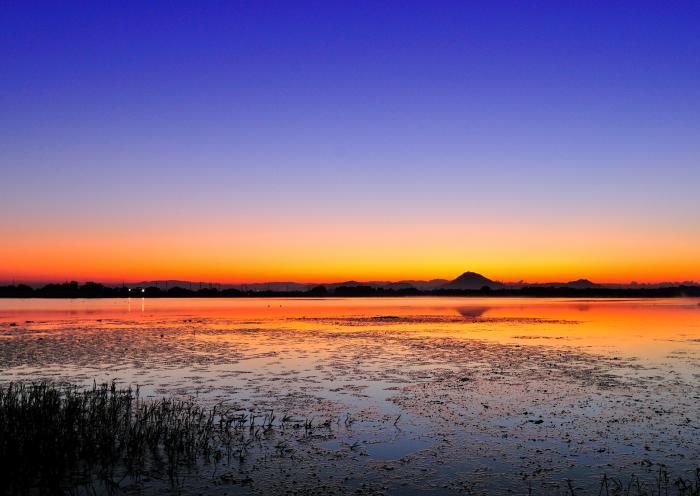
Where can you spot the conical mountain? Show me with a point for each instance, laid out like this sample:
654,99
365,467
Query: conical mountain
471,280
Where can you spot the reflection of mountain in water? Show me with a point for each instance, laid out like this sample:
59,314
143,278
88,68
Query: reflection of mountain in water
581,308
472,313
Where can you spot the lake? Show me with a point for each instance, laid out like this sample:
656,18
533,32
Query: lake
404,395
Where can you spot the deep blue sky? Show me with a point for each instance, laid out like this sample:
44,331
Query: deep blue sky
540,112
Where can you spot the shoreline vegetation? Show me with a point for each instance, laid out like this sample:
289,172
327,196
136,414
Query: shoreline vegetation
96,290
63,439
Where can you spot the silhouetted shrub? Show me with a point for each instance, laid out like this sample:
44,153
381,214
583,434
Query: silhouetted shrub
318,291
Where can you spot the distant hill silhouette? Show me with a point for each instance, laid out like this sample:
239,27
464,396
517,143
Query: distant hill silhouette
467,281
581,283
289,285
578,283
472,280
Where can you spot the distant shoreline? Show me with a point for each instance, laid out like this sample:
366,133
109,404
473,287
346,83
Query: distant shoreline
96,290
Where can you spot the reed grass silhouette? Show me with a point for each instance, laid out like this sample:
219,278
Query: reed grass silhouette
57,437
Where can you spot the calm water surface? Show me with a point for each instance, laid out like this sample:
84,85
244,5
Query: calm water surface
415,395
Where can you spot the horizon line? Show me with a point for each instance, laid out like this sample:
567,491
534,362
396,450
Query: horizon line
124,282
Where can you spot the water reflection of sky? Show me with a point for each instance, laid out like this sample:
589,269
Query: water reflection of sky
476,382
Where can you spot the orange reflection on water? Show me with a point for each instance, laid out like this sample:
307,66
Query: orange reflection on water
644,327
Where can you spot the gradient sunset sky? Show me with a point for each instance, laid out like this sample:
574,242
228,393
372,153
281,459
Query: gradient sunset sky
323,141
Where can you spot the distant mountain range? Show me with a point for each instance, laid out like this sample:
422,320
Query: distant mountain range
291,286
472,280
466,281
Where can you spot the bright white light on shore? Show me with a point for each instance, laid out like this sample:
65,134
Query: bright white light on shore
143,290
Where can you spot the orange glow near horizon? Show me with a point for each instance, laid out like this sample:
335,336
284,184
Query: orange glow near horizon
344,251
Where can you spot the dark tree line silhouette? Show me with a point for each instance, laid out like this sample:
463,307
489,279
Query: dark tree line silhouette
96,290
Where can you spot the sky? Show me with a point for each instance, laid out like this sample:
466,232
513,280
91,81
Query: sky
325,141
